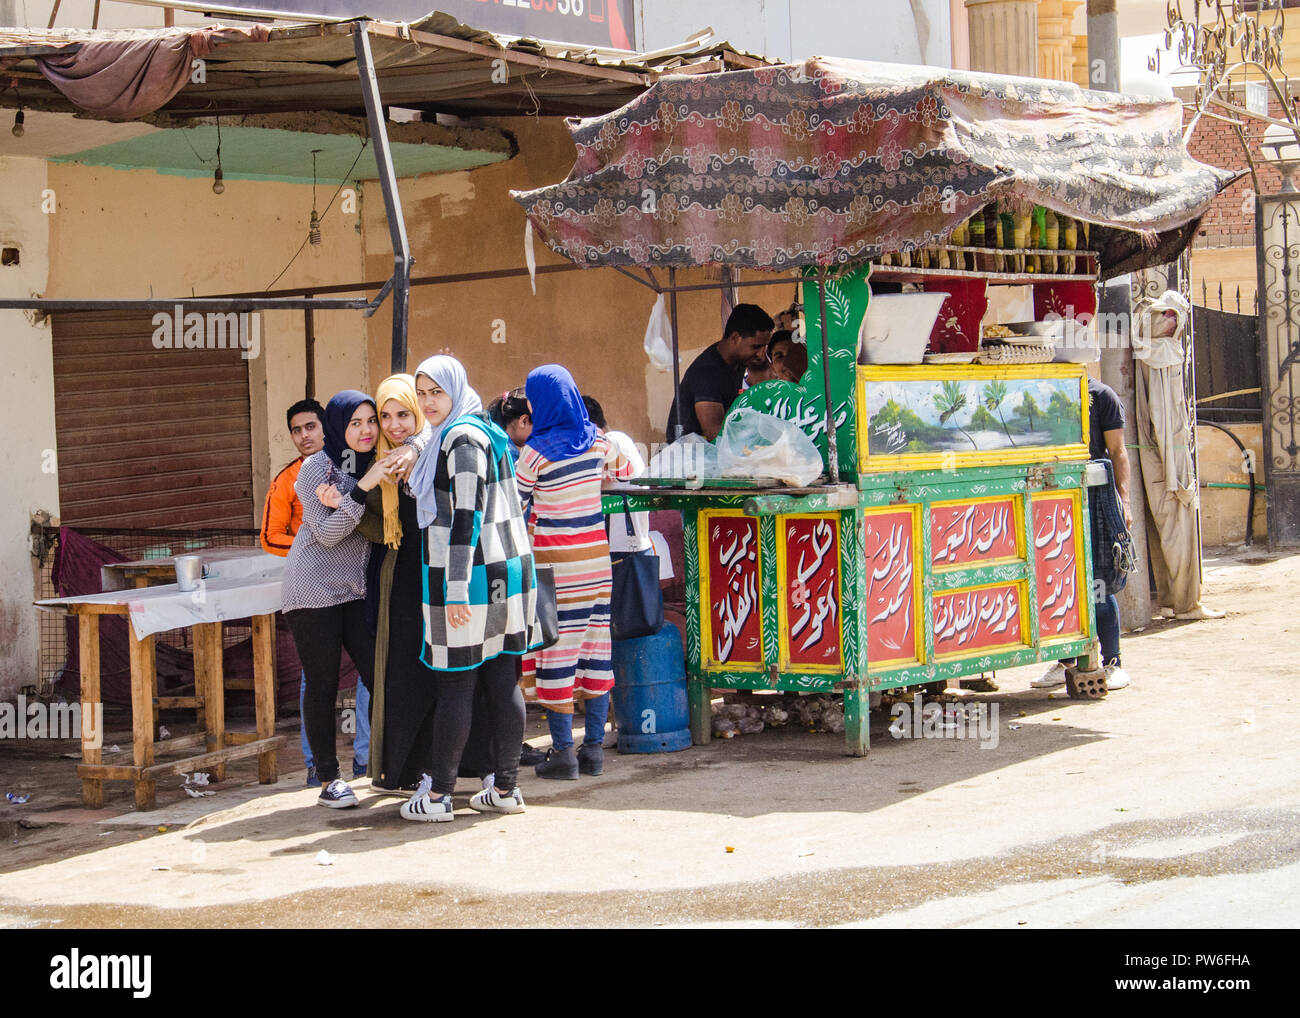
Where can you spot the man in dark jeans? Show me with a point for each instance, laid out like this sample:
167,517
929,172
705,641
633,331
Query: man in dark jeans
1105,440
712,382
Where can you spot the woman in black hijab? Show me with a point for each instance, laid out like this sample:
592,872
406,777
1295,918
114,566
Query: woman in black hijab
324,587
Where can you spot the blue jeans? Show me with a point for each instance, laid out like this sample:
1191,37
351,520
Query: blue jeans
561,725
360,741
1107,612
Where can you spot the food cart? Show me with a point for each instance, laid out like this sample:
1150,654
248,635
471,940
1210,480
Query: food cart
944,539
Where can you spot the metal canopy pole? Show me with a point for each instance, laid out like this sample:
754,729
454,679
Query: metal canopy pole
52,307
402,260
677,364
309,351
832,450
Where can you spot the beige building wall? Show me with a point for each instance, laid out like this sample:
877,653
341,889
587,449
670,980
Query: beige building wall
27,455
592,321
136,234
1223,510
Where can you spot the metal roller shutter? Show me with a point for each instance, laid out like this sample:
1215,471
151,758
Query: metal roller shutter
148,437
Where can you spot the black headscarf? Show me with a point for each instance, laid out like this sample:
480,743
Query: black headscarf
338,412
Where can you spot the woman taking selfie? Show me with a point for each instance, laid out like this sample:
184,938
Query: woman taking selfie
324,586
480,599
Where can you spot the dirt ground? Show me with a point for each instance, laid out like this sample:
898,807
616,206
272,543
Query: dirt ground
1171,803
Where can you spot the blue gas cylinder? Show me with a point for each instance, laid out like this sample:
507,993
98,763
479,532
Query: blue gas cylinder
650,693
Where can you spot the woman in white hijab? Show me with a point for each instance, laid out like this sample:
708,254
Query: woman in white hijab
480,599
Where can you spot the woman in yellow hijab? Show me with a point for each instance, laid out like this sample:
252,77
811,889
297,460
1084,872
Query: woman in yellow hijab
402,706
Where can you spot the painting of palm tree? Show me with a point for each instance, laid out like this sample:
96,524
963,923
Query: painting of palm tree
995,392
949,401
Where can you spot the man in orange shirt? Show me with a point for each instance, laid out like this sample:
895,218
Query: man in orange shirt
281,518
282,514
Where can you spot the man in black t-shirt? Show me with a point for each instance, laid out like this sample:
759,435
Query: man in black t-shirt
1105,441
712,382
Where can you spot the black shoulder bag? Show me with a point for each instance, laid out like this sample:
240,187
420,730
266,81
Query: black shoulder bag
636,604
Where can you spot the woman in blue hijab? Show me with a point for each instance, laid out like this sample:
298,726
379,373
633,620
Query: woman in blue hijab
324,586
561,470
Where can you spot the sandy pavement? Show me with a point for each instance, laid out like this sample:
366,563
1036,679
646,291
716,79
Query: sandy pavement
1188,776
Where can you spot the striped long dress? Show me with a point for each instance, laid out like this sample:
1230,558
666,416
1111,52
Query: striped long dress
569,535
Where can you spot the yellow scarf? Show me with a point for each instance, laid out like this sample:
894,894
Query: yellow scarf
402,389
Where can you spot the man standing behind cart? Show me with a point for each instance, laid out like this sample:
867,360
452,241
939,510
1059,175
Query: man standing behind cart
714,379
1105,441
281,518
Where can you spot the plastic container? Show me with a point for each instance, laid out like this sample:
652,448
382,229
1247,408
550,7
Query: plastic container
649,695
896,327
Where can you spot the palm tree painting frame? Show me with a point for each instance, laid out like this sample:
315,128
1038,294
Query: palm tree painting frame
945,417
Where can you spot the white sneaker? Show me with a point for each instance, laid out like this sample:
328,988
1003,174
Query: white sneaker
1054,676
424,807
490,801
1116,677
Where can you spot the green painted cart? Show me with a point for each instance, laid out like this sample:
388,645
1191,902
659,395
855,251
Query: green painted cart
955,539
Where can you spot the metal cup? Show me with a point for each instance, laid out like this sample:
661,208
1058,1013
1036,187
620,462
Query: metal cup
189,570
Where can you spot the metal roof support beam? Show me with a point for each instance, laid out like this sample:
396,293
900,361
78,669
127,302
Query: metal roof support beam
218,304
402,260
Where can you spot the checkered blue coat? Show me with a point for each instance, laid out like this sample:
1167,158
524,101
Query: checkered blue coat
477,552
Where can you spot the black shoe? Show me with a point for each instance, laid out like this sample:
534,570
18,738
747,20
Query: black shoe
358,768
591,759
377,785
559,765
530,757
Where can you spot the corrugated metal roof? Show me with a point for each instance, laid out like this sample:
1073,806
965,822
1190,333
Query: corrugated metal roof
437,64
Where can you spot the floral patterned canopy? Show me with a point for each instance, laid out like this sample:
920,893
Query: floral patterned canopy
831,161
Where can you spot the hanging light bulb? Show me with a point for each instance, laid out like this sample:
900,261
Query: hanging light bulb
18,129
218,178
313,224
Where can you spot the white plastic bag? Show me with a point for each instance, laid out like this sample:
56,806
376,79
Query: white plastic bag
691,456
760,445
658,332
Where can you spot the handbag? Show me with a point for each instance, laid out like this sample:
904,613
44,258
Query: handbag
636,602
1113,555
548,611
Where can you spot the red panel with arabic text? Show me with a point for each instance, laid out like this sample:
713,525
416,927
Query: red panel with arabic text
891,587
731,554
812,591
1057,550
978,618
976,531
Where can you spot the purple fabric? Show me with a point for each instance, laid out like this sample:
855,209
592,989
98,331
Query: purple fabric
129,76
76,571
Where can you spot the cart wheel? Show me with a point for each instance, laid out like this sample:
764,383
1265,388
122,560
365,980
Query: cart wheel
1085,685
936,688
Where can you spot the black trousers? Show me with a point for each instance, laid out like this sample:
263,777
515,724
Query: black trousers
498,683
320,634
410,692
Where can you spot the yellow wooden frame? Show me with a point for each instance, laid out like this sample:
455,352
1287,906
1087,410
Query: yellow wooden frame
1080,567
783,618
707,661
918,603
967,373
1026,633
1018,508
